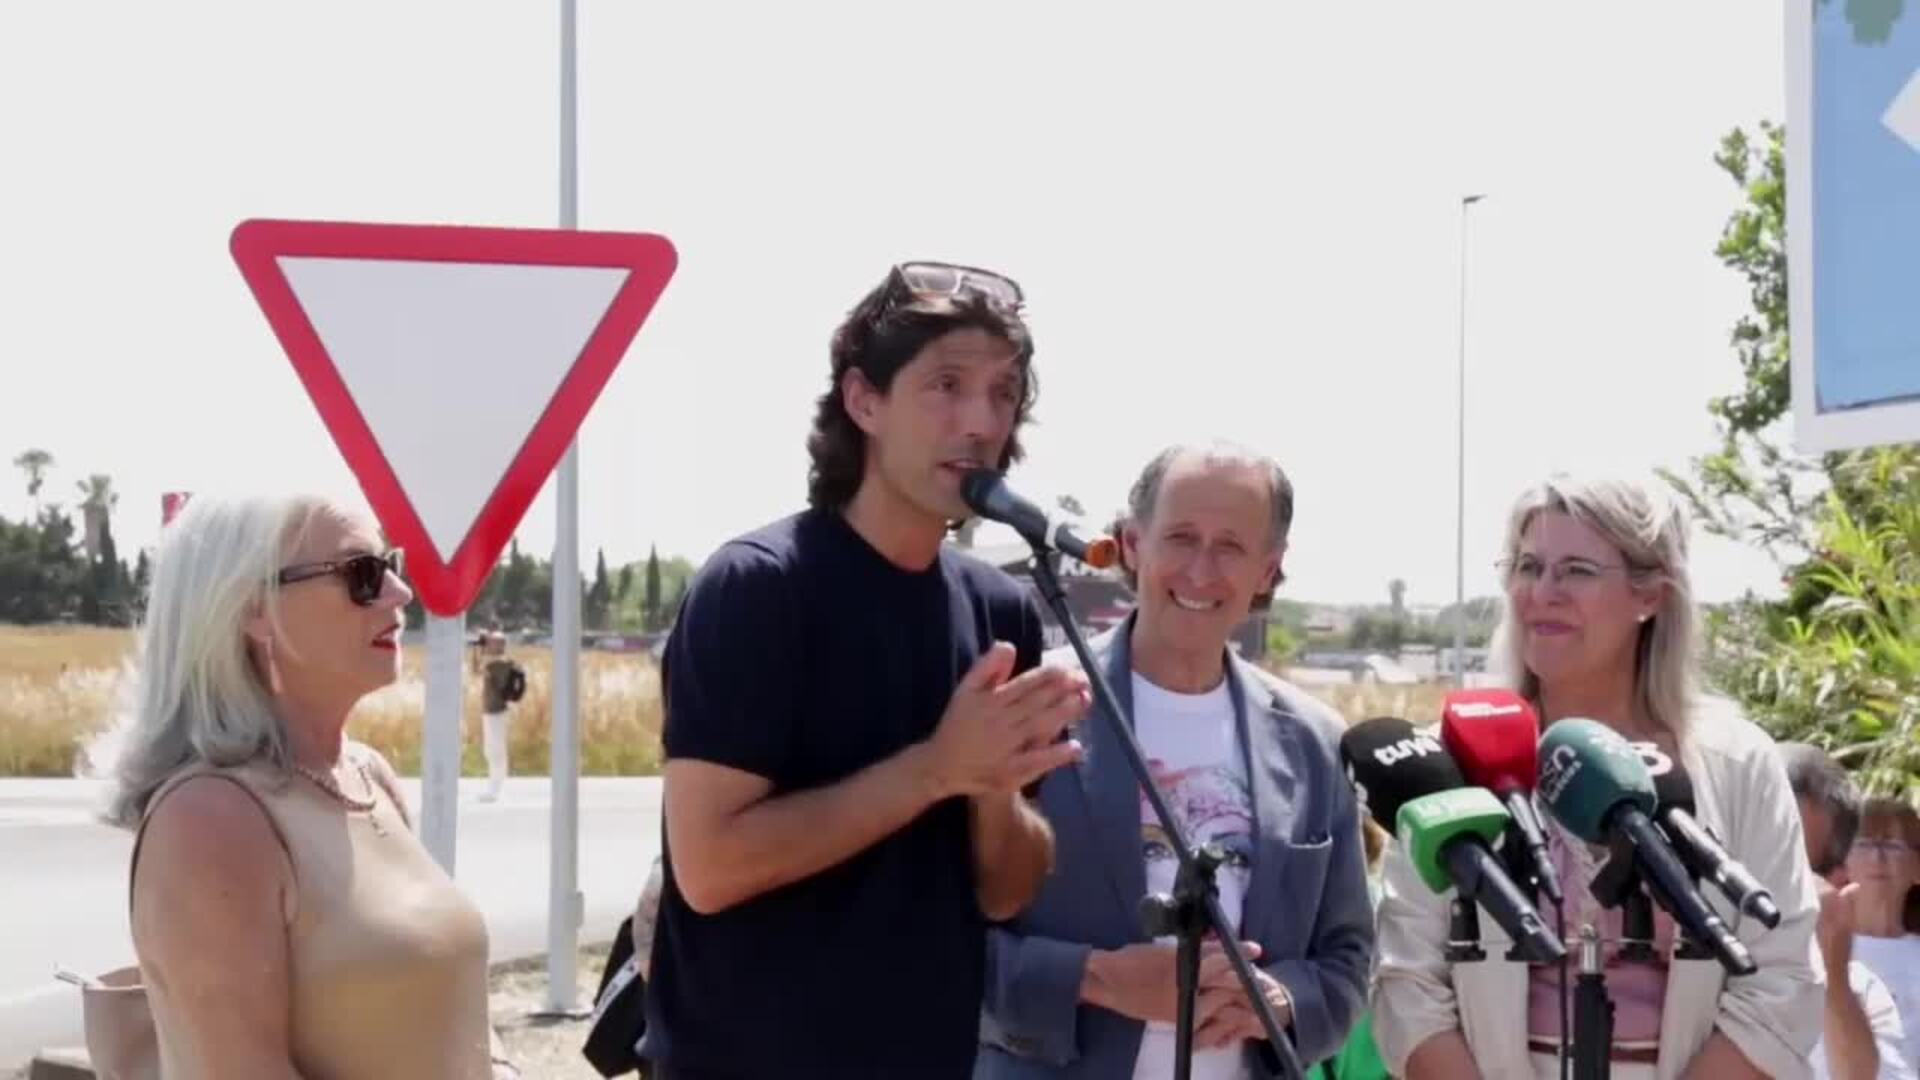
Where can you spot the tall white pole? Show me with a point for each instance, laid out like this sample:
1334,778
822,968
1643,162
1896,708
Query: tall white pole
564,902
440,738
1460,481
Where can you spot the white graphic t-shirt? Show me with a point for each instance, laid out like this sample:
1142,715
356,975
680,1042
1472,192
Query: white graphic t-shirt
1897,962
1193,752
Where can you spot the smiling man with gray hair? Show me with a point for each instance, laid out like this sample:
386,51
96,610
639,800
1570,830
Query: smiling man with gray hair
1249,763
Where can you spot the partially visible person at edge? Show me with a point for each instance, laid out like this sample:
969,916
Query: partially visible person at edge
1359,1056
1861,1038
1246,761
286,919
1884,865
853,708
1599,623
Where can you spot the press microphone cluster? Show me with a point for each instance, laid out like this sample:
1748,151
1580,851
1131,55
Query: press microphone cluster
1698,850
1597,785
1452,801
1414,789
986,493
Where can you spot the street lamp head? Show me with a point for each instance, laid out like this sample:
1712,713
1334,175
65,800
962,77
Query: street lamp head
1469,200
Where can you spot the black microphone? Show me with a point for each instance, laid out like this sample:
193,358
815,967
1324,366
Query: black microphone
1596,785
1702,854
987,494
1414,789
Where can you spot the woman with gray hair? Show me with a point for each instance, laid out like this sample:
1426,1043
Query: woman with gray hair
1598,623
286,920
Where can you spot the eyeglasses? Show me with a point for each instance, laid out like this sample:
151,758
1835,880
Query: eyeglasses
1527,570
949,281
1885,848
365,575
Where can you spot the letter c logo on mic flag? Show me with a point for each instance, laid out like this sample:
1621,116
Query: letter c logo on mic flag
1557,771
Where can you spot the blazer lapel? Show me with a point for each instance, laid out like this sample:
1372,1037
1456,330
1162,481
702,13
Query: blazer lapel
1252,736
1111,788
1266,753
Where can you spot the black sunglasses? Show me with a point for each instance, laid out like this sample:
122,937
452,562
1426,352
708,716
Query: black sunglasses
365,575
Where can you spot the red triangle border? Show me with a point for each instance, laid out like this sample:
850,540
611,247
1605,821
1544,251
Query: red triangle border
448,588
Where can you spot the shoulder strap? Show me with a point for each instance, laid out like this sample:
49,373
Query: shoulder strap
169,787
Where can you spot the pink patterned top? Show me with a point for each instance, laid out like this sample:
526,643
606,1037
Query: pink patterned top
1638,990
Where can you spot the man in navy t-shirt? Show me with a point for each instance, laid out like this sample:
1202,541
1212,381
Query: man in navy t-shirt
853,712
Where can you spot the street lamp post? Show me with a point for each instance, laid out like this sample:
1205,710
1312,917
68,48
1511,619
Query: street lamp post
1460,484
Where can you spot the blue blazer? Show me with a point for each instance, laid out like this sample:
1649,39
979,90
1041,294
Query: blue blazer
1306,901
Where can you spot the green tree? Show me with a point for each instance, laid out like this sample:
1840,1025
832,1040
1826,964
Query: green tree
679,595
599,600
103,588
650,606
35,463
41,571
1836,661
516,587
96,505
1282,644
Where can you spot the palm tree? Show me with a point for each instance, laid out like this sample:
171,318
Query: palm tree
35,463
97,505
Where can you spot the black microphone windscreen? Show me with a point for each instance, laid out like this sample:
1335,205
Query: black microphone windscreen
1391,763
1673,789
977,490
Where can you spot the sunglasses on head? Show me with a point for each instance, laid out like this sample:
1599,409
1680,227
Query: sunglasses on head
949,281
365,575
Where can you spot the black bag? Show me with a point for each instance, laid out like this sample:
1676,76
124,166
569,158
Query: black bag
516,687
619,1011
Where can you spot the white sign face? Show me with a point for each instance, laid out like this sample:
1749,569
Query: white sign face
451,364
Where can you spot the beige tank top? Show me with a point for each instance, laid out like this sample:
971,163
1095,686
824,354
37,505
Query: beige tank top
388,958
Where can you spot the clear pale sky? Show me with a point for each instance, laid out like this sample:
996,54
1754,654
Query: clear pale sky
1239,220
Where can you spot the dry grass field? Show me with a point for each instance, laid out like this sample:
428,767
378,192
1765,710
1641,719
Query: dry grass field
60,685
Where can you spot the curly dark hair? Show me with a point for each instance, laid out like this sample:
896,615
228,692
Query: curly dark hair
883,332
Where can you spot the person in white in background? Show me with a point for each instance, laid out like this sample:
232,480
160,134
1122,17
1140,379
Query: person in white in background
1884,864
1863,1039
502,683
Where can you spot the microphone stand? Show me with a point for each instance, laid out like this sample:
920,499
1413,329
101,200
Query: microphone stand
1619,884
1519,862
1194,906
1592,1013
1463,933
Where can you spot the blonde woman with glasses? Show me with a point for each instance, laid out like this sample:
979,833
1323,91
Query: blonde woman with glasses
286,920
1598,623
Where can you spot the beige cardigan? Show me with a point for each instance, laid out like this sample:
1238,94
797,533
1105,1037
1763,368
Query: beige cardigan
1773,1015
